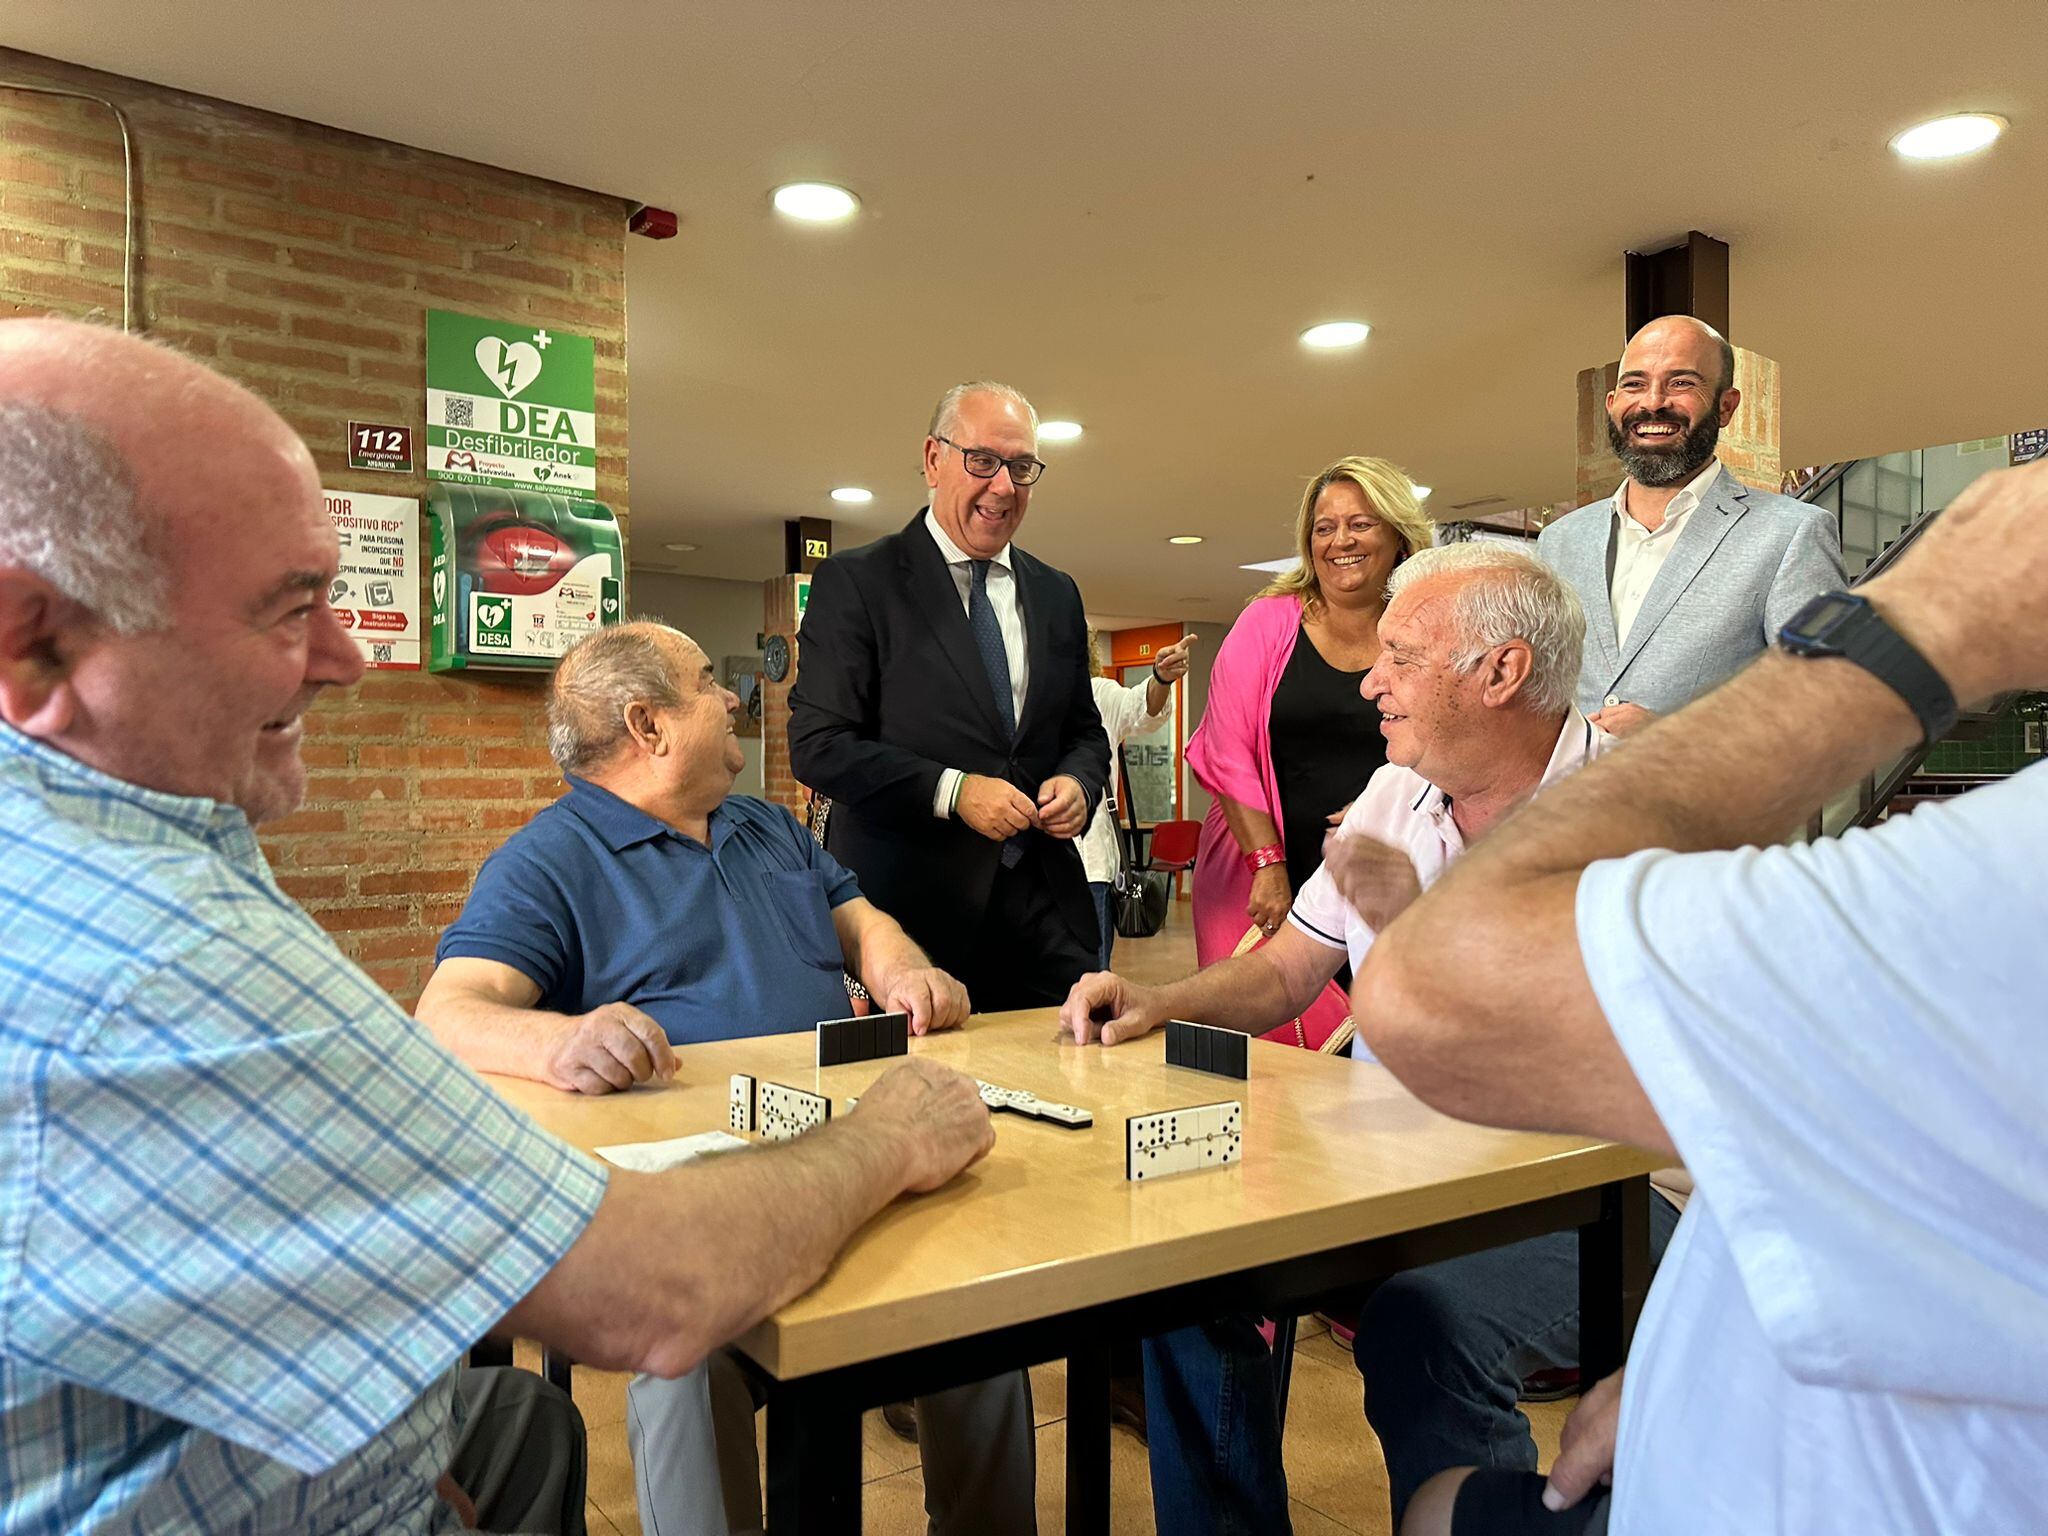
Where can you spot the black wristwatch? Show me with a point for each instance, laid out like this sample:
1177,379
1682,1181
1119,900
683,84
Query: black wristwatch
1845,625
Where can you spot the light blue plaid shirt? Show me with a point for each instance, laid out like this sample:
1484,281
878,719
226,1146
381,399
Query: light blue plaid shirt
253,1214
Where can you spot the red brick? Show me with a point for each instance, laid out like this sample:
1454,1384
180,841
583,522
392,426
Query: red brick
321,852
413,756
19,242
303,888
197,343
387,242
159,268
219,173
418,882
319,819
349,397
286,290
439,914
500,265
356,786
78,291
328,264
246,213
345,200
182,306
506,818
530,757
558,215
461,226
24,207
512,726
365,919
187,241
342,334
476,786
400,978
411,944
325,754
406,182
279,355
86,146
411,371
461,290
33,171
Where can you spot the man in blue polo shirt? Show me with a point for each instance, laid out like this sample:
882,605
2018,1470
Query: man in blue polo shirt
652,907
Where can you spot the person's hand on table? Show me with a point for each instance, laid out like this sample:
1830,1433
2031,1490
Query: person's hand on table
1270,899
1103,1006
932,1116
1378,880
1622,719
995,808
1062,807
608,1049
1585,1450
933,999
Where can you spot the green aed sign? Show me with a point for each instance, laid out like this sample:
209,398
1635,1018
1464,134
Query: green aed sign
510,403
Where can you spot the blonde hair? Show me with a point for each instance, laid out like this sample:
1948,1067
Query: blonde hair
1388,492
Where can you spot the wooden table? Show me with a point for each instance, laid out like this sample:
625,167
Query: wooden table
1043,1251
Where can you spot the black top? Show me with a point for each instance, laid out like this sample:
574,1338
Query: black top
1326,744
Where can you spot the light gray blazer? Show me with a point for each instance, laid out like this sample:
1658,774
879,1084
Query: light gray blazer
1744,563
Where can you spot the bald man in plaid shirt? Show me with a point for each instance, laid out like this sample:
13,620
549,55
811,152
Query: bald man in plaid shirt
253,1214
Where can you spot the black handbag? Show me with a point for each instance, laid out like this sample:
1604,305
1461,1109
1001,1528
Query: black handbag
1137,899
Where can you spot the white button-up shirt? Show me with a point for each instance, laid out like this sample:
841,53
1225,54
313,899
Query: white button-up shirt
1009,612
1402,809
1640,553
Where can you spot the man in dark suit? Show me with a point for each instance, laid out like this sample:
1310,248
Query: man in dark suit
942,702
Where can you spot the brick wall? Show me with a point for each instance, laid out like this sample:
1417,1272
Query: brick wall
778,617
301,261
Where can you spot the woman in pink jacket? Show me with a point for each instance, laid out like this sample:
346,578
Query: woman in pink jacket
1286,740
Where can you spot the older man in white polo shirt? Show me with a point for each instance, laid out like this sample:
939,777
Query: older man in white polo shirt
1480,651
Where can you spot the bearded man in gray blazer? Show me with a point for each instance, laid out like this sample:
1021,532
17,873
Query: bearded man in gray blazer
1685,572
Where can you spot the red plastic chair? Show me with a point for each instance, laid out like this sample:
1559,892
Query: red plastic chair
1172,849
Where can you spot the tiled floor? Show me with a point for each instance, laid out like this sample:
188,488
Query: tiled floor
1335,1474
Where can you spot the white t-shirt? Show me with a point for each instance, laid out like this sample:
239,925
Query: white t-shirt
1848,1042
1402,809
1123,716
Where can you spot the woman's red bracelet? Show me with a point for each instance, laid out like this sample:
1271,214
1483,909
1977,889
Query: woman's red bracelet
1260,858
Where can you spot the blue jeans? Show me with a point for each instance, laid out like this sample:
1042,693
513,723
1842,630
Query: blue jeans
1100,889
1212,1418
1443,1350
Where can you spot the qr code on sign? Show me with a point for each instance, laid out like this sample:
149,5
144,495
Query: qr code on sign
381,651
458,412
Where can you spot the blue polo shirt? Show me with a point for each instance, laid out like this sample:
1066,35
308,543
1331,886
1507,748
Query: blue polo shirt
598,902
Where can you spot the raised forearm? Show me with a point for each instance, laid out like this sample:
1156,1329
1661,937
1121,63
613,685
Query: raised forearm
676,1264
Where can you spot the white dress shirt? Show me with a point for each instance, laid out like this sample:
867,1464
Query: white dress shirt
1123,716
1002,597
1844,1040
1640,553
1402,809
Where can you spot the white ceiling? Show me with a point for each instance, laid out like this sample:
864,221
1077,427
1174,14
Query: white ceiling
1129,211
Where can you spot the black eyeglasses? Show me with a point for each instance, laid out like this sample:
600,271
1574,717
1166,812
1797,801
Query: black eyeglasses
982,464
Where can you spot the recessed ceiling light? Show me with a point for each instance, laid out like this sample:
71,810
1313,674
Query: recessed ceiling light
1185,538
853,495
681,549
1278,567
1335,333
1422,491
1946,137
1058,431
815,202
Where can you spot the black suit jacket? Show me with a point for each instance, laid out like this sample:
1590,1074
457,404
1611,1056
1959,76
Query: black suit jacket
890,691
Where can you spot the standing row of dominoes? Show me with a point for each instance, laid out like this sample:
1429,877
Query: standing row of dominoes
1206,1048
1181,1140
864,1038
775,1111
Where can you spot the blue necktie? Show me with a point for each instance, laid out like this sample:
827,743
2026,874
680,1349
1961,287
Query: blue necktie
988,639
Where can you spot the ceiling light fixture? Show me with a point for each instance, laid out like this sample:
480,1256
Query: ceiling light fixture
1421,491
1278,567
853,495
1185,538
1332,334
1058,431
815,202
1946,137
680,549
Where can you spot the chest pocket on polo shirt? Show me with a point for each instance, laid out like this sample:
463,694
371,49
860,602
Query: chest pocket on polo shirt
798,899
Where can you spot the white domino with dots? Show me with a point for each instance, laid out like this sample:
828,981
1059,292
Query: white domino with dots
1019,1101
784,1113
1183,1140
741,1114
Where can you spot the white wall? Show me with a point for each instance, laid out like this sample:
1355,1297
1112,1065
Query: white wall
724,617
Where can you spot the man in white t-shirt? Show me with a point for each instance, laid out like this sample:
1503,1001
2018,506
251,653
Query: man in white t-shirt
1844,1041
1479,653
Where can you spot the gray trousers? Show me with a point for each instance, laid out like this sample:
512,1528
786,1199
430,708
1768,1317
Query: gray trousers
520,1455
696,1470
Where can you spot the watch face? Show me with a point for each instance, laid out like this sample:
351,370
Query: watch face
1826,612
